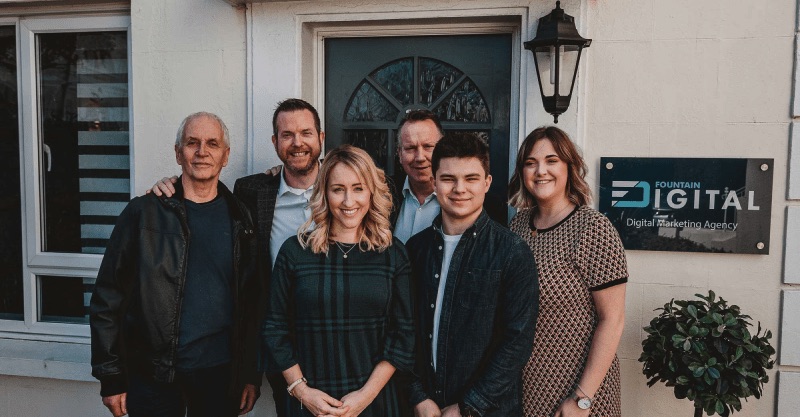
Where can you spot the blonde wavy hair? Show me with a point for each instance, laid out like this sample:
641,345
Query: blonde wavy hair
375,233
578,190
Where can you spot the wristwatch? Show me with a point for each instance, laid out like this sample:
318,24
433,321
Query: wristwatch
584,403
468,410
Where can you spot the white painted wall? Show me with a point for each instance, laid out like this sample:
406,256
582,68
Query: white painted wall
22,396
188,56
676,79
693,79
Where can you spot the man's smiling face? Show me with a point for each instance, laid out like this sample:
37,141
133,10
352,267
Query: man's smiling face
298,143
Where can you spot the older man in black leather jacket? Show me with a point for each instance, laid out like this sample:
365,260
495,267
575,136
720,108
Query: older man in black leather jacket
173,315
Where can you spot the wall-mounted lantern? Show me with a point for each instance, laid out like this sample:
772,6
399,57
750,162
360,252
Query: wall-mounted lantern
557,51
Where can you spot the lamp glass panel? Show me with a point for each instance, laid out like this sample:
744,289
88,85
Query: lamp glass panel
545,60
569,61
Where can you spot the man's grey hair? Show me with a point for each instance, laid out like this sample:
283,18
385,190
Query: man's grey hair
182,129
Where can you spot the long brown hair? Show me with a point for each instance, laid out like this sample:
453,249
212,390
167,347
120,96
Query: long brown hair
376,233
578,190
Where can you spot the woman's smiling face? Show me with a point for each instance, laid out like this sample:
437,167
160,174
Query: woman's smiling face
349,201
545,174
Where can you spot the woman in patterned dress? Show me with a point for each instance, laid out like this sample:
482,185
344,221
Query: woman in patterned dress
338,321
573,370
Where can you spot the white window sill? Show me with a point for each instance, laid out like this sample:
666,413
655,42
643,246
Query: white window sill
54,360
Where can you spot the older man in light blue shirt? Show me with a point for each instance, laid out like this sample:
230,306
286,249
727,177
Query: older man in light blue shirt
413,216
417,206
416,203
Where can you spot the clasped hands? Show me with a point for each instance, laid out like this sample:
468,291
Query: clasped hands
321,404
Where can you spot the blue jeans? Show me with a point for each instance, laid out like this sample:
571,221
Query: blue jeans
194,393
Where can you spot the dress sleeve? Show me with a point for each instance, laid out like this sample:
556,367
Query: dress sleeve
601,256
399,344
277,330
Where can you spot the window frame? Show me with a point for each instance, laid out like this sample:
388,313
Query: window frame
37,262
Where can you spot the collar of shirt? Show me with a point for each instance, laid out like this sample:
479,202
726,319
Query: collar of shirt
407,193
284,188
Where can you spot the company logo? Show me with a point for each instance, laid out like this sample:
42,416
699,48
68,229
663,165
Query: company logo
680,194
643,202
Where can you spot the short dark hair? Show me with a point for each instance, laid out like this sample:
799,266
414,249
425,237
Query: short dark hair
294,104
461,145
418,115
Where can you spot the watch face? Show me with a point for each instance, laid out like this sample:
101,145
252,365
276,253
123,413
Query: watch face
584,403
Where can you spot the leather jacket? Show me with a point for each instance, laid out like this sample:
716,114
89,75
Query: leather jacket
487,320
136,305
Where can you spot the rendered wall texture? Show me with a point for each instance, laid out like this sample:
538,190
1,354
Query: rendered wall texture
187,56
693,79
679,78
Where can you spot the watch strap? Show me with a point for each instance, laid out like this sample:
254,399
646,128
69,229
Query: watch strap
467,410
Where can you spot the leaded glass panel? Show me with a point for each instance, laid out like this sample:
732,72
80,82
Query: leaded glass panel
465,104
398,79
435,78
374,141
368,105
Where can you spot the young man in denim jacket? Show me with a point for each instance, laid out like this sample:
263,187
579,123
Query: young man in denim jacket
476,293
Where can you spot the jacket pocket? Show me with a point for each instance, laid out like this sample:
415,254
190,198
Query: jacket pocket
478,289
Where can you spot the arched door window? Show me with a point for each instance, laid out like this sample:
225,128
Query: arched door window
465,79
378,103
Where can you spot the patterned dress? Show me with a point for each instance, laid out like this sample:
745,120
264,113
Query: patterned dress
338,317
580,254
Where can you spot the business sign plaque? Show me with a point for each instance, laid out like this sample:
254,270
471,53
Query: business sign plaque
718,205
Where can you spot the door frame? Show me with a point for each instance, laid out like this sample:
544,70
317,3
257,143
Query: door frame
285,56
313,29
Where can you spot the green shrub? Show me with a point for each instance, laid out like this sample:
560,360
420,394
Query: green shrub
705,351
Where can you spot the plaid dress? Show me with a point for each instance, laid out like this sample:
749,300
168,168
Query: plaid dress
338,317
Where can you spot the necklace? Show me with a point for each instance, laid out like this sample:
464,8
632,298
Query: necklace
345,252
553,219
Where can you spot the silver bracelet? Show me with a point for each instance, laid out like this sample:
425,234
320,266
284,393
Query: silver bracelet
584,392
294,384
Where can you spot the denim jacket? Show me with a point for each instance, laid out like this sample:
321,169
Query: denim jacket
488,317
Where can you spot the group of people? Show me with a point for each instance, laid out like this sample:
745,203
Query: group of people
357,296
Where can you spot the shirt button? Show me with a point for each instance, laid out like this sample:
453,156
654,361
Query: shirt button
419,209
430,336
436,276
432,305
440,248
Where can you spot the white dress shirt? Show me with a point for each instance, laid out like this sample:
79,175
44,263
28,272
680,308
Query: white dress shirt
291,211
